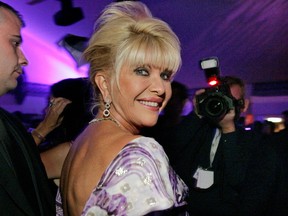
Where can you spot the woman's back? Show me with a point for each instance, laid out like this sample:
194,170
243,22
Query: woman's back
122,174
87,160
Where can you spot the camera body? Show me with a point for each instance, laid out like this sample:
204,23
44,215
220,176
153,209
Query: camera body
217,100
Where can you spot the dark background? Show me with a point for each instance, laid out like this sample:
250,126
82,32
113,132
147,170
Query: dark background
248,36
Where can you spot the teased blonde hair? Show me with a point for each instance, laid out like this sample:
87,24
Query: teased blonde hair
127,33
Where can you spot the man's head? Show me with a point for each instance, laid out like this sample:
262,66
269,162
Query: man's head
216,102
237,89
178,99
11,56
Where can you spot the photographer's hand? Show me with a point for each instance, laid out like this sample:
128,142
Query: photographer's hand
198,92
227,124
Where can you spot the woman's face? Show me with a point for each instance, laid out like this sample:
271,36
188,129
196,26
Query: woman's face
142,93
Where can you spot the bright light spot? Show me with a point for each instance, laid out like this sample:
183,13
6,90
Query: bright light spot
213,81
274,119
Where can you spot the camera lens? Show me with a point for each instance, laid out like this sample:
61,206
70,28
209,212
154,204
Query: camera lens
215,107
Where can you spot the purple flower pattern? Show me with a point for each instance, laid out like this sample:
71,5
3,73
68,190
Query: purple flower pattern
138,181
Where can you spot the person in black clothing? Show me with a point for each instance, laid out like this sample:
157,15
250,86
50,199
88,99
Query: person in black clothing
24,188
279,142
76,115
285,117
171,115
229,171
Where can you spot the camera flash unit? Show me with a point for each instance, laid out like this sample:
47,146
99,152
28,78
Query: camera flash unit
211,68
209,63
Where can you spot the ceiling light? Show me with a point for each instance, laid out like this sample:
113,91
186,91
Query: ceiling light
274,119
68,14
75,45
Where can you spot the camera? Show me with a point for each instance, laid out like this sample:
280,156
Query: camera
217,100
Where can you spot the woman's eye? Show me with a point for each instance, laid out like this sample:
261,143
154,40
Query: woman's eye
166,75
141,71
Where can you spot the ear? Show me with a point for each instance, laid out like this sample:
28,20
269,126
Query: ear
102,83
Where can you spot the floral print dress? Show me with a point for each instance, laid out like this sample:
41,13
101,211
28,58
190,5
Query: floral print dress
137,182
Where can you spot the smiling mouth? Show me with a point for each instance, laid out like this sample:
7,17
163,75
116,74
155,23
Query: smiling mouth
150,103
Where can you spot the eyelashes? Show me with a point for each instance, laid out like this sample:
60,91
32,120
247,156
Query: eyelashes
143,71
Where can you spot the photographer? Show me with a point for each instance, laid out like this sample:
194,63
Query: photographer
229,171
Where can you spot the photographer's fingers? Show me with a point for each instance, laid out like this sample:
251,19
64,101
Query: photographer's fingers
198,92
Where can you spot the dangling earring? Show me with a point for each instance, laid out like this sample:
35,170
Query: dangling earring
106,111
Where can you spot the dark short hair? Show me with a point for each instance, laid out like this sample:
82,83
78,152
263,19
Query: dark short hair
232,80
180,89
285,113
10,8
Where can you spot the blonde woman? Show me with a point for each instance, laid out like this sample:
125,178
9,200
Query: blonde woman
111,169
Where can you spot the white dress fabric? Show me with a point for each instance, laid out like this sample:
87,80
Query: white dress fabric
137,182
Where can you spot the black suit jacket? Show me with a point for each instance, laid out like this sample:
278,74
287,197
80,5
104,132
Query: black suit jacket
246,171
13,198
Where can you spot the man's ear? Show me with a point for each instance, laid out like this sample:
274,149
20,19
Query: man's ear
102,83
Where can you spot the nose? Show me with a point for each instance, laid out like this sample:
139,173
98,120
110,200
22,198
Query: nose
158,86
21,58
